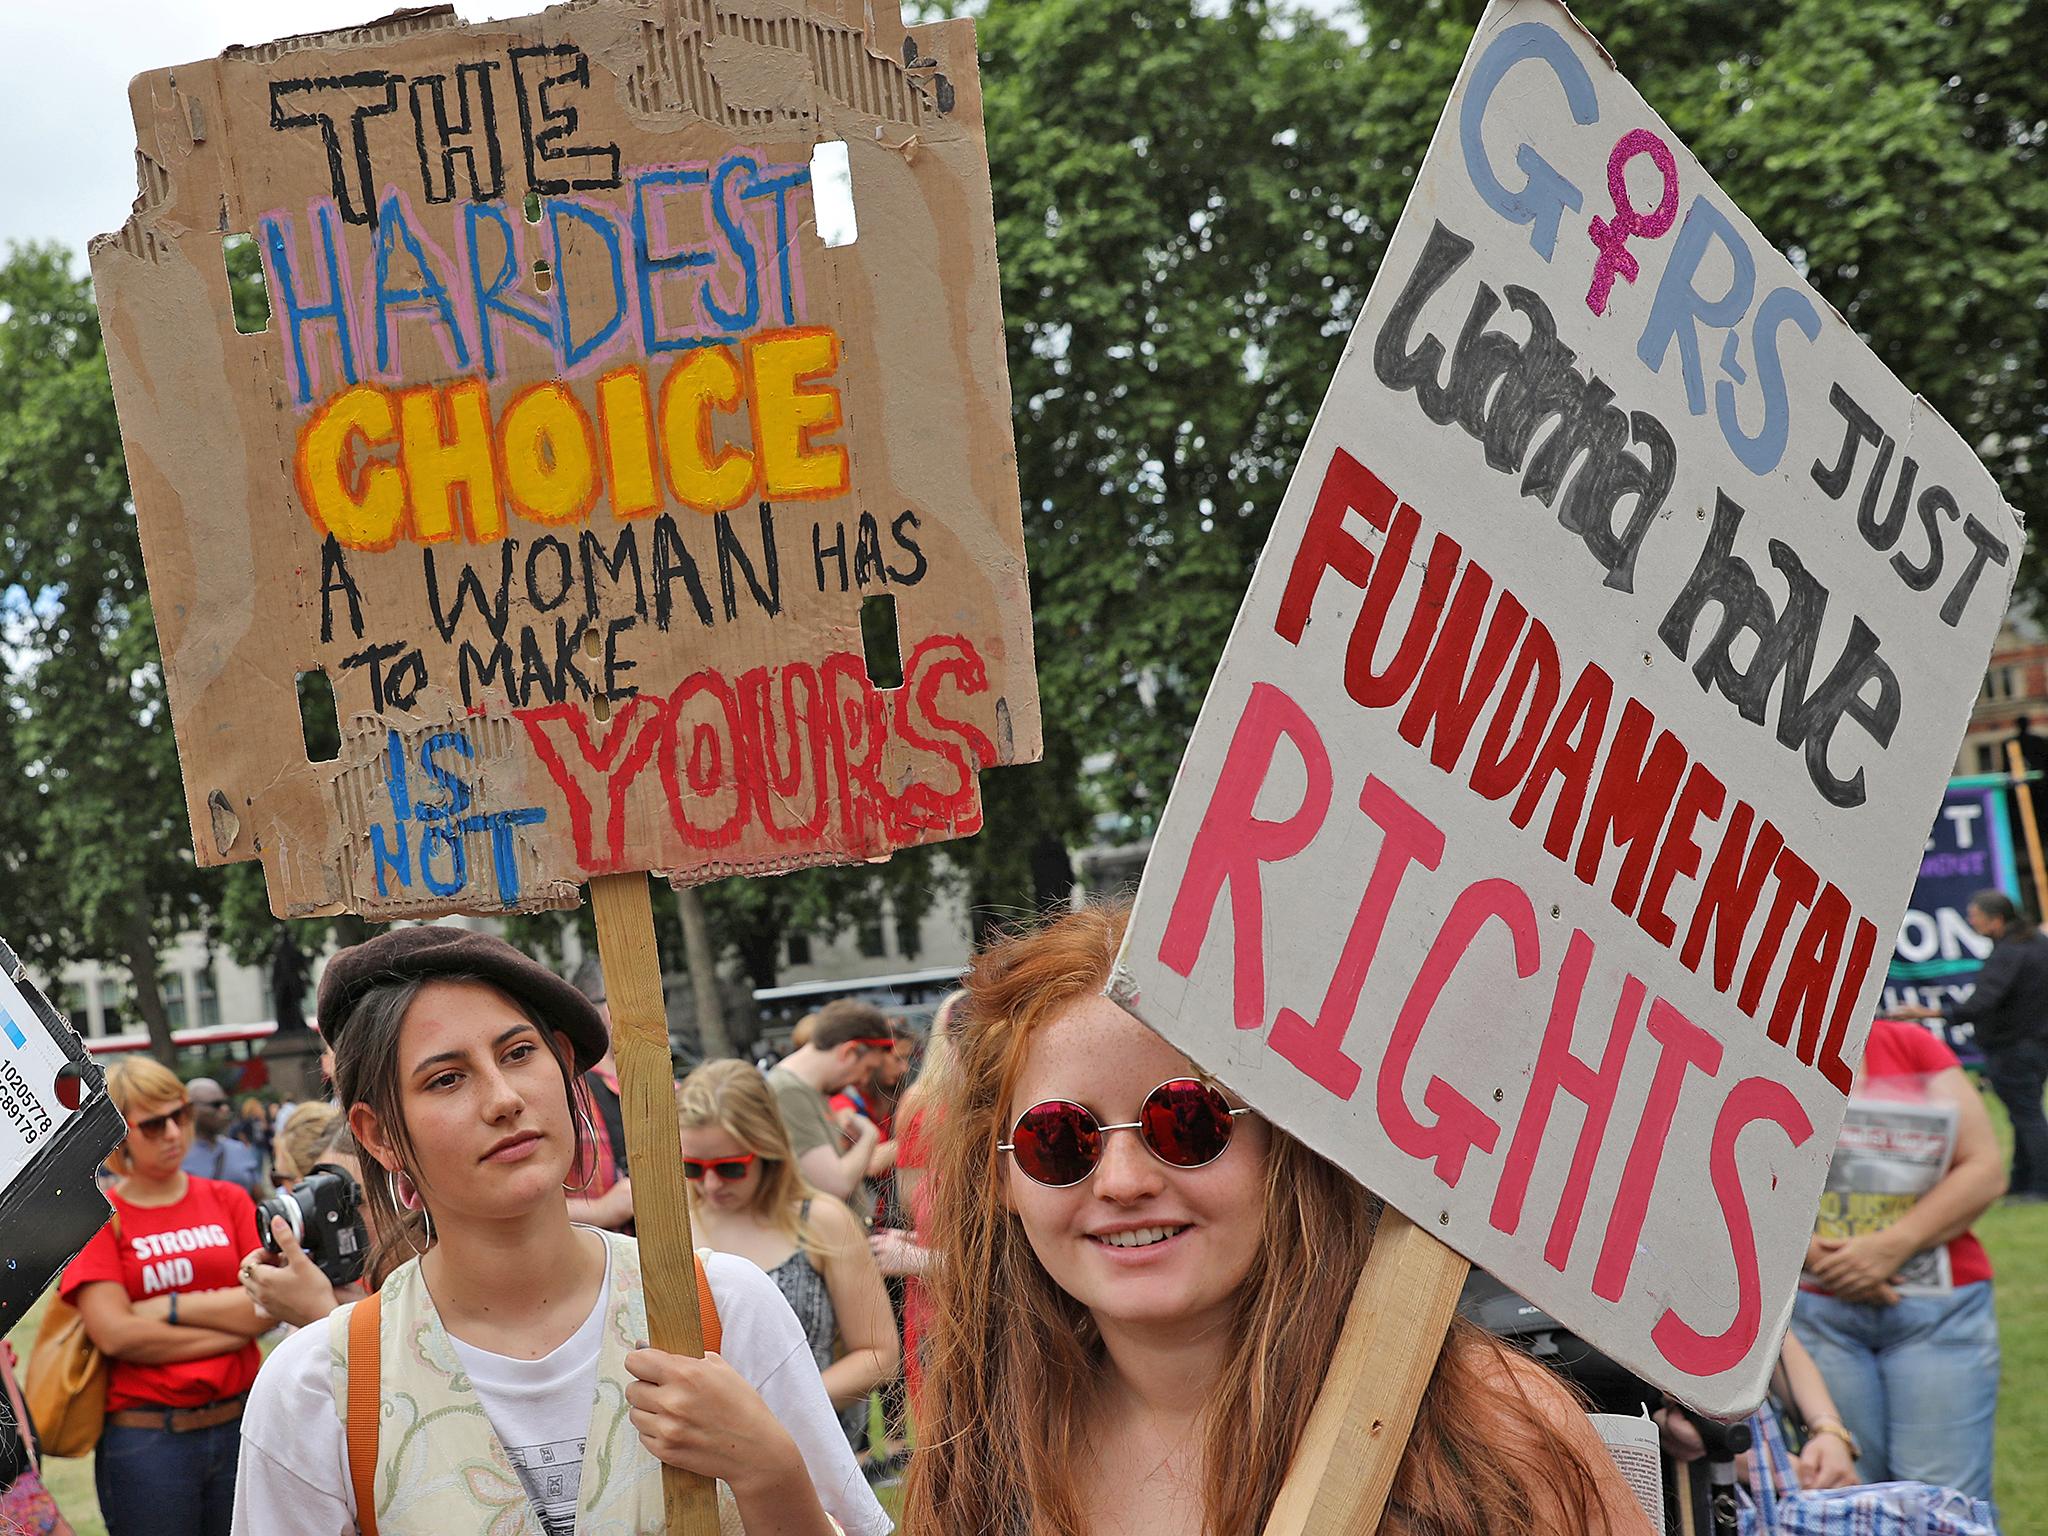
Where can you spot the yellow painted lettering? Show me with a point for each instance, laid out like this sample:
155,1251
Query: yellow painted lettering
360,501
790,411
627,422
550,455
445,434
704,479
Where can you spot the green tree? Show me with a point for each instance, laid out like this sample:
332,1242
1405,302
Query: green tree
99,860
1192,201
1182,251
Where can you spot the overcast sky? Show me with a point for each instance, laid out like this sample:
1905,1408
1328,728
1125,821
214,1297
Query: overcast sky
69,170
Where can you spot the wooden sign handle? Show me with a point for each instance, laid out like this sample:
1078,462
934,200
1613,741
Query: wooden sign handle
1358,1430
2023,791
654,1152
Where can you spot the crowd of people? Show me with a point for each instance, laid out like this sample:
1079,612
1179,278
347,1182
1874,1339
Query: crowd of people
942,1241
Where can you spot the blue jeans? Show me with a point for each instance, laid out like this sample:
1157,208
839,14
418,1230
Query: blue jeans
1916,1382
154,1483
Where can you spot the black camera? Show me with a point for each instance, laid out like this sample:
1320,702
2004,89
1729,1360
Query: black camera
324,1212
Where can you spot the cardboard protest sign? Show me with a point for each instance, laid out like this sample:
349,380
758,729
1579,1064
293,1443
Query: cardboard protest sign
571,450
1938,953
1569,764
56,1126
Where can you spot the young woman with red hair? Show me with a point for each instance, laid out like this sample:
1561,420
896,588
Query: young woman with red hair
1127,1332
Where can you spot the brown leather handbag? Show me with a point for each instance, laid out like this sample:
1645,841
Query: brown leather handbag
66,1380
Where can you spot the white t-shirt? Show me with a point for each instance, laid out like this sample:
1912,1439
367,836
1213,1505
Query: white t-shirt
294,1479
541,1411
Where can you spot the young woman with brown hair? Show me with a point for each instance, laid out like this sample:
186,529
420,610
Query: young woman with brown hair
1128,1331
747,1198
515,1393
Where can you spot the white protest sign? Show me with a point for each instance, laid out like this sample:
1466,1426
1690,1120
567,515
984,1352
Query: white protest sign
56,1124
1567,771
30,1060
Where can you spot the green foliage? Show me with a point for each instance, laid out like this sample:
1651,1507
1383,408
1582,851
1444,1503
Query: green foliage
1181,251
97,844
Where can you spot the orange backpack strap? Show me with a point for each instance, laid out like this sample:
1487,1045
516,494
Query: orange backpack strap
365,1392
707,1310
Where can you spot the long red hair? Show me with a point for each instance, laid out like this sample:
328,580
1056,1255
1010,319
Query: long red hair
1014,1362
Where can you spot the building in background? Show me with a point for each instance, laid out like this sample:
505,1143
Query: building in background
2015,688
215,1004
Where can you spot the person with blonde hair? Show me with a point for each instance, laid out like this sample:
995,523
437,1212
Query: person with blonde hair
313,1133
1140,1286
156,1289
748,1197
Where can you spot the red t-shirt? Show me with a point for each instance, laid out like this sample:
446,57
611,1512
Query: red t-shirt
195,1245
1897,1061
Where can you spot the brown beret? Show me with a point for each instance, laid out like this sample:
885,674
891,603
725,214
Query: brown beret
407,954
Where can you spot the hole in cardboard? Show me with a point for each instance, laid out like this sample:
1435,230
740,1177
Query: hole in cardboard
319,718
543,277
832,193
531,207
246,293
878,641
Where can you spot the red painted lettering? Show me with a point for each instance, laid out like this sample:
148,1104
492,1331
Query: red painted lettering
1629,803
1567,755
1325,546
1232,843
1703,795
1454,687
1318,1049
1557,1068
1378,689
1685,1046
1460,1124
1753,1099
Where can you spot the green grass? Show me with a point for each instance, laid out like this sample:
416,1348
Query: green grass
2017,1238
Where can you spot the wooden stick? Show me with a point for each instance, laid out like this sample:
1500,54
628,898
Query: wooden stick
632,984
1388,1350
2017,763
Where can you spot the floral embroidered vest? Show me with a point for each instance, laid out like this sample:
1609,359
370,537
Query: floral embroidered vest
440,1464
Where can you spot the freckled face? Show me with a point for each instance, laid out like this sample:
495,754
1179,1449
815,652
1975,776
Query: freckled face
1138,1241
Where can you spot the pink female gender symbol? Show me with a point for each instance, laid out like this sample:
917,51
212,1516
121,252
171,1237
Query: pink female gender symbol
1612,238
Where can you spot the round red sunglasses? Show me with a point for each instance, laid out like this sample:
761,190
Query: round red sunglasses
1184,1122
729,1169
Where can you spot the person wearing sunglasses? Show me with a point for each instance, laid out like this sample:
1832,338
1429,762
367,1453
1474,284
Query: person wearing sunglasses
513,1394
846,1043
157,1290
1140,1284
748,1198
